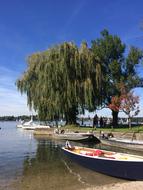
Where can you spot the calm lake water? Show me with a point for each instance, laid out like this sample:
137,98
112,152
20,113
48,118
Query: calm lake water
27,162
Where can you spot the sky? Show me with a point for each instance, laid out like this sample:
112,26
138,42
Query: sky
28,26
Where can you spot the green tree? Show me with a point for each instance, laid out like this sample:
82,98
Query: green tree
50,82
115,67
64,78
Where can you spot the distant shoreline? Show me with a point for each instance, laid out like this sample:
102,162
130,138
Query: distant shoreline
17,118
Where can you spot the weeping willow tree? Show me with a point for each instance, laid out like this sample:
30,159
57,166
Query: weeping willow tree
58,81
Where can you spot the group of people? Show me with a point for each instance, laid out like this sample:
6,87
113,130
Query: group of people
98,122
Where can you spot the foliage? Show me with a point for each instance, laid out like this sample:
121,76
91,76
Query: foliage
126,102
58,81
115,103
129,105
116,68
64,78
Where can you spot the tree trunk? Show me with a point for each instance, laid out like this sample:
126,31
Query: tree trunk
129,122
115,118
70,115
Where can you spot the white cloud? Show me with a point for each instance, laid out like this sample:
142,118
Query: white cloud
11,101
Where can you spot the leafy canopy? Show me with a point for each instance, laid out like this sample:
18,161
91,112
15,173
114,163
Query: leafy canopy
65,77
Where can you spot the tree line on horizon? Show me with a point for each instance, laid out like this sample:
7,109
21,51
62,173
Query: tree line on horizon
65,79
17,118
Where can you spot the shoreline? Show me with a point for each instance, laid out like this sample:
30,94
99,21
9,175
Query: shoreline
127,135
136,185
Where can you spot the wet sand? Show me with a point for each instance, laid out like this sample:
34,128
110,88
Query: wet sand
135,185
70,178
37,185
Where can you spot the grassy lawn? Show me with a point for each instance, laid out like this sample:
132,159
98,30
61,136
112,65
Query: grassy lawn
110,129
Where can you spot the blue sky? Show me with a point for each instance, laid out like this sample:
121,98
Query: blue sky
28,26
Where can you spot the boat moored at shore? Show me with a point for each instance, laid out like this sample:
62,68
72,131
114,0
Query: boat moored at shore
78,137
130,144
114,164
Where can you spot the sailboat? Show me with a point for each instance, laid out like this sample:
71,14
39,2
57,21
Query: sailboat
30,125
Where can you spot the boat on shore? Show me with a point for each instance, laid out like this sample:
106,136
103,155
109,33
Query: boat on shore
78,137
115,164
130,144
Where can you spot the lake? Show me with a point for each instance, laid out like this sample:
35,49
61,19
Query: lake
27,162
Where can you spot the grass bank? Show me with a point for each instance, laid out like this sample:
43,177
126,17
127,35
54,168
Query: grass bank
122,129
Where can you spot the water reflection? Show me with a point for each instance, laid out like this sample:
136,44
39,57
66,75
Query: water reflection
39,164
47,170
51,169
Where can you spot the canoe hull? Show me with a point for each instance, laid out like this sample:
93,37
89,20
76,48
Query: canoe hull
77,137
122,144
128,170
